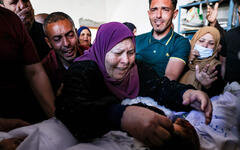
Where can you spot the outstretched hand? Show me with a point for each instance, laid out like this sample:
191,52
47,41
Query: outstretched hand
206,76
147,126
200,101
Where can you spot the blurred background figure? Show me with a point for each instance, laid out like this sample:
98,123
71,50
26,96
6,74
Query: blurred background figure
230,51
84,36
131,26
40,17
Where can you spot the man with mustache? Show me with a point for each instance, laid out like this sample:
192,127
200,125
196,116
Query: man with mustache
62,38
166,51
24,10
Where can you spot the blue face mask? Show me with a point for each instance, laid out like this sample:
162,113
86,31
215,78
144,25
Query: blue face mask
203,51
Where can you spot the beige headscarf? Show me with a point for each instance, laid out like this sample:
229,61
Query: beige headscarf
189,77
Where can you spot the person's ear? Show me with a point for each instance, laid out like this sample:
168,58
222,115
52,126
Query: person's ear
149,13
175,13
1,5
48,43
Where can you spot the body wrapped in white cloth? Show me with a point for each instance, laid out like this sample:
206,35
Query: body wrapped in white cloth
222,133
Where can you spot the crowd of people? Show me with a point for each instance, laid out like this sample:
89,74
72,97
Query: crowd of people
157,90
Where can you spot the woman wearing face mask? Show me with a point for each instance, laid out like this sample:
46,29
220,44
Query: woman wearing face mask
204,69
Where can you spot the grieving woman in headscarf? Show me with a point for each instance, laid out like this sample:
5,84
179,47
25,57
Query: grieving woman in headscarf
204,70
98,81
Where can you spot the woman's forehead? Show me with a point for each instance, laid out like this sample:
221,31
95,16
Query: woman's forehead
124,44
207,36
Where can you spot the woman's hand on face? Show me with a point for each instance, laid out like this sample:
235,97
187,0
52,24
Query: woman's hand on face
147,126
200,101
206,76
193,55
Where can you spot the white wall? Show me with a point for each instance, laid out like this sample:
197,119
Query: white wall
91,9
134,11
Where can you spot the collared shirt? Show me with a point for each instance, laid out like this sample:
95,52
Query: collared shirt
158,52
55,69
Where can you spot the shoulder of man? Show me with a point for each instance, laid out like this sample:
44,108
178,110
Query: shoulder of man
180,48
142,40
37,30
5,11
180,37
49,58
50,62
228,36
37,24
8,15
233,31
142,36
181,41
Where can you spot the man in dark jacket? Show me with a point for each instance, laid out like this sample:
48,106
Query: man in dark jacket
230,51
24,10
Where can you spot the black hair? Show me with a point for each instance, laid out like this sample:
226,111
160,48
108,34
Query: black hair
174,3
130,25
54,17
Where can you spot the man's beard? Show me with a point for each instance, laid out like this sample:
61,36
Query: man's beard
159,31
